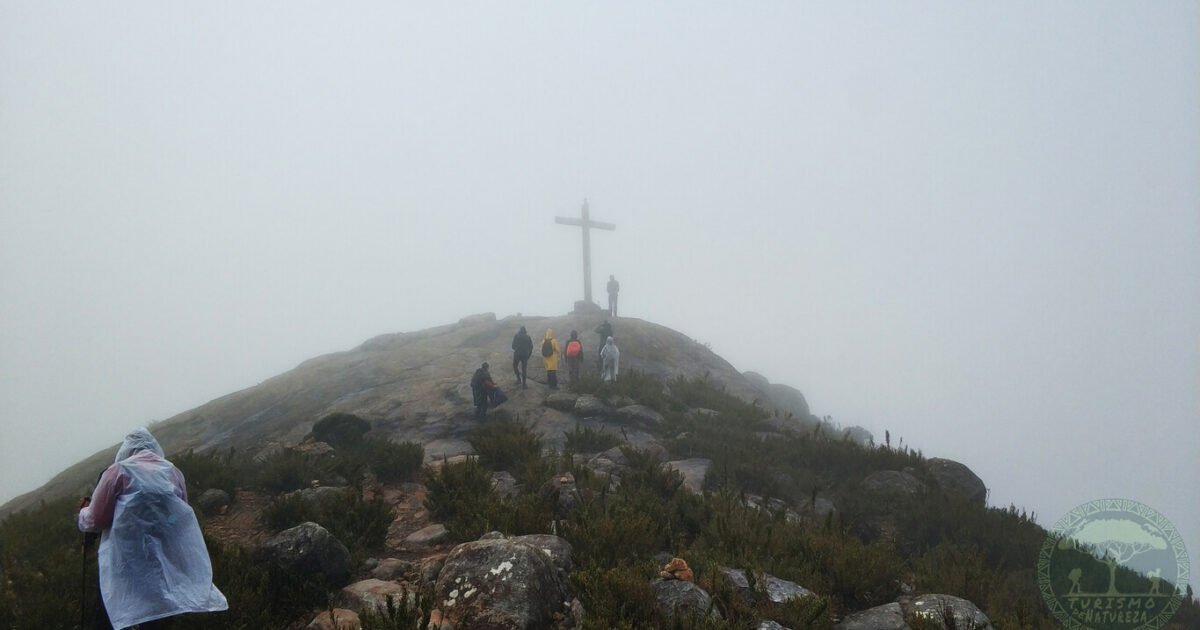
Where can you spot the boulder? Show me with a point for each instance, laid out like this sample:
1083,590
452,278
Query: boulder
640,415
956,479
693,472
504,484
885,617
314,496
394,569
373,594
309,550
562,401
561,491
894,483
780,591
588,406
211,501
685,599
777,590
789,400
501,583
315,451
560,552
758,381
427,536
338,619
767,624
936,608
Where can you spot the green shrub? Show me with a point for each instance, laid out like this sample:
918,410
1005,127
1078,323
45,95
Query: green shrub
410,612
460,496
512,446
289,470
360,525
340,430
392,462
203,471
588,440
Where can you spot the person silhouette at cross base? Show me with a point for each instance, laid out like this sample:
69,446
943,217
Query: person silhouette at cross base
153,561
522,347
614,288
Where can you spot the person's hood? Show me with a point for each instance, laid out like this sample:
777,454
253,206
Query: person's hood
610,342
521,331
549,333
139,439
574,334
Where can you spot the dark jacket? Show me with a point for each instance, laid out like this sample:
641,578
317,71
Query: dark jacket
605,331
522,344
481,383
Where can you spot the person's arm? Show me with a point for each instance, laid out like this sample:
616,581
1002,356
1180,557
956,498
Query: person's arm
97,514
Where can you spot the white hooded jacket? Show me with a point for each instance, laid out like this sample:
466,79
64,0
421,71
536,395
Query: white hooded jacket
153,562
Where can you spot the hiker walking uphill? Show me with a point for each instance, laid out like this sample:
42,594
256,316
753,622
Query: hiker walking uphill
153,562
522,347
614,288
574,356
605,331
610,358
550,358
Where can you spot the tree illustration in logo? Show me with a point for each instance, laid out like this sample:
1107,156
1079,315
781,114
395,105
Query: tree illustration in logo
1114,542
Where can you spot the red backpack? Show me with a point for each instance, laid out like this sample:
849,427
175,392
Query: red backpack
574,348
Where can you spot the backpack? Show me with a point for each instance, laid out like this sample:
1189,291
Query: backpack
574,348
547,348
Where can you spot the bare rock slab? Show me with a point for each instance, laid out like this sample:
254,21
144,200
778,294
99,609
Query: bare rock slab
339,619
693,471
427,536
373,594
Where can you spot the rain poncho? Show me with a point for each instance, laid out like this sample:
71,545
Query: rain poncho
550,362
610,356
153,562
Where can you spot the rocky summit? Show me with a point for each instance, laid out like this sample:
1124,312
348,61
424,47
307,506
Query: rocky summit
415,387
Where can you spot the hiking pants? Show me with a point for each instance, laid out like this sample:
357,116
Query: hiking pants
612,304
552,378
523,364
573,365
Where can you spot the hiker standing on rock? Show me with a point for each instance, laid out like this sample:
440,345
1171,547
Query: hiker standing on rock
610,357
574,356
614,288
153,562
605,331
481,389
522,346
550,358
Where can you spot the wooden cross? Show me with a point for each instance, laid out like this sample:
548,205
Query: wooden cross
586,223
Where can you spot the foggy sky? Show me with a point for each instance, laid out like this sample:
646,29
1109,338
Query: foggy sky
974,225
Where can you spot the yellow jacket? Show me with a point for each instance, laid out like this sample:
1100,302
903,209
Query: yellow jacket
550,362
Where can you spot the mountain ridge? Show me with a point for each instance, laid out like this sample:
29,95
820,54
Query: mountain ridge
414,385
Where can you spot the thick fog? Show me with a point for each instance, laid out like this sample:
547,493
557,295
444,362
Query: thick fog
973,225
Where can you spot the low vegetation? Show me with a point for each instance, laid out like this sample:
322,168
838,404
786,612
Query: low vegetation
757,514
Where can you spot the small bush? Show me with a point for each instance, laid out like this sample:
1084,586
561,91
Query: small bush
208,470
290,471
340,430
360,525
410,612
588,440
459,495
393,462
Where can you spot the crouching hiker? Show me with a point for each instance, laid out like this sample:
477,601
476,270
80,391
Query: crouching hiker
153,562
481,390
610,357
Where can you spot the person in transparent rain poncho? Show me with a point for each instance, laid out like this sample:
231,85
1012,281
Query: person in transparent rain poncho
610,361
153,562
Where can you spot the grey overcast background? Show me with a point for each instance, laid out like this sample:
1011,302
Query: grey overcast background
975,225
